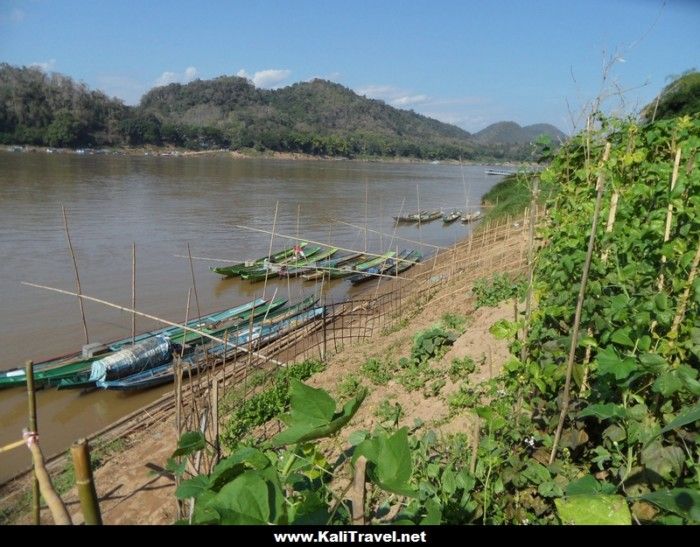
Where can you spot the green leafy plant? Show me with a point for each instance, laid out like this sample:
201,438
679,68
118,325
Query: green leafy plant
266,404
461,368
432,343
379,372
500,287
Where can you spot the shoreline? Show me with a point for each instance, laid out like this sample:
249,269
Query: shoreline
247,154
127,441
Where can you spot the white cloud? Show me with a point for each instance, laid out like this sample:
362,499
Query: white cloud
44,66
267,79
393,95
409,99
168,77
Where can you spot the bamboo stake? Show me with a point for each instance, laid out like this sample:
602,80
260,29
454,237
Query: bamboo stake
153,317
33,428
133,291
611,221
476,432
579,306
669,215
85,483
420,233
673,333
357,492
194,281
366,203
215,419
77,275
269,250
530,266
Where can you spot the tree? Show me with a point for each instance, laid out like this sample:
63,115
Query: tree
66,130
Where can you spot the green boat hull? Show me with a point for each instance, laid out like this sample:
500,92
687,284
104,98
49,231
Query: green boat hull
258,274
362,267
237,269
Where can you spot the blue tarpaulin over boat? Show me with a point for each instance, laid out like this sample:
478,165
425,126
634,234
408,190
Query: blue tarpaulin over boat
141,356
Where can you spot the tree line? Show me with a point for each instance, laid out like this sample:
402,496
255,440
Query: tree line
318,118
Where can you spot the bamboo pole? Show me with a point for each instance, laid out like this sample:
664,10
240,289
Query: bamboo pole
53,501
33,428
669,215
148,316
77,275
420,233
226,260
611,221
194,281
283,236
215,419
680,313
366,205
133,291
89,503
269,250
579,305
357,491
388,235
530,267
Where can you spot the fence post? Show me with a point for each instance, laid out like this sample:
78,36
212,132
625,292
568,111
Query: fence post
84,481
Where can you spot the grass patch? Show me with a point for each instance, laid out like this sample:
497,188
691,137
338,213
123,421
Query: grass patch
512,196
378,372
490,292
349,386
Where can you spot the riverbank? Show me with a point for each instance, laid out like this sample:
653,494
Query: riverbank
132,483
251,153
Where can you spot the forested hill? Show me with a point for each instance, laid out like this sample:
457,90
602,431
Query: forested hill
512,133
679,98
317,117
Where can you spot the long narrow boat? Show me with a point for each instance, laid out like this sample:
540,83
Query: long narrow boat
407,219
198,323
449,218
471,217
290,311
325,267
49,372
261,336
244,319
144,355
235,269
349,270
402,265
293,271
429,216
272,270
380,268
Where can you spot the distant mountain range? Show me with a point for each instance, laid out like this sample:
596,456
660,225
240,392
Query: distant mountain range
317,117
512,133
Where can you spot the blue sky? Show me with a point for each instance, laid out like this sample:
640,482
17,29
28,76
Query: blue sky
465,62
